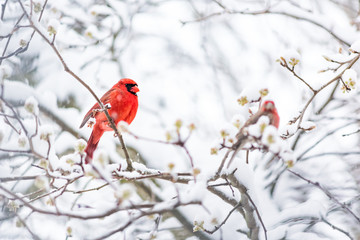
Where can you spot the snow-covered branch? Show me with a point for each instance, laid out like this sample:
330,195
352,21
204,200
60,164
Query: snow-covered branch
247,125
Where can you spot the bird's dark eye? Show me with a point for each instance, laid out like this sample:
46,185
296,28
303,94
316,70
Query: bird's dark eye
129,86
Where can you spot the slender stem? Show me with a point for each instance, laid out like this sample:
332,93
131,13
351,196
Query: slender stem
324,190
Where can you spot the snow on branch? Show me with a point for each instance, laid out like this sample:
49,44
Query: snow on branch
227,145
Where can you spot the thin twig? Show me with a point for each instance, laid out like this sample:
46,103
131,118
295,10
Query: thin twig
11,179
330,154
224,221
3,6
300,117
324,190
33,235
337,228
68,70
258,214
292,70
267,10
145,213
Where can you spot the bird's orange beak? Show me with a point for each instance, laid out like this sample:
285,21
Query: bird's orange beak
135,89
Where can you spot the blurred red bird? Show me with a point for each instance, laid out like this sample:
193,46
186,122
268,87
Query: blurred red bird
267,109
123,101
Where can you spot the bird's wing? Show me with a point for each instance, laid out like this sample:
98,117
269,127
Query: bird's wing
242,140
105,99
242,137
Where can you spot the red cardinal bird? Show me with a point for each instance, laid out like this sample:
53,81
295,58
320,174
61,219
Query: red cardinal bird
123,102
267,109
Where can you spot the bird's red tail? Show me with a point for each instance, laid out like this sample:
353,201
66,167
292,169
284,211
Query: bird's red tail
92,143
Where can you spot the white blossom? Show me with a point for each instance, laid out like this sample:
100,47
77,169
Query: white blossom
31,105
238,121
292,57
257,129
42,182
271,139
91,32
45,132
80,145
350,77
22,141
53,26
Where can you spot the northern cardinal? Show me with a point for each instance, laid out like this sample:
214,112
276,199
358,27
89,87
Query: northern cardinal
267,109
123,102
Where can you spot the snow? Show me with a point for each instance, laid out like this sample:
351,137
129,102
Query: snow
5,71
257,129
31,105
1,135
100,10
270,138
355,46
123,126
204,73
101,156
196,191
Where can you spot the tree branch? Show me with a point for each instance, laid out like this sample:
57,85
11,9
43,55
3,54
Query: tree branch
68,70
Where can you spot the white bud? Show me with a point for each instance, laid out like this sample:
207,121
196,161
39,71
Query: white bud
41,182
31,105
263,122
23,42
271,139
22,141
37,7
45,132
80,145
70,160
238,120
292,57
91,32
350,77
289,157
13,206
53,26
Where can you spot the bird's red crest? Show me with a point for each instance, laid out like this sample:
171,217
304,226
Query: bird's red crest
129,84
268,105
